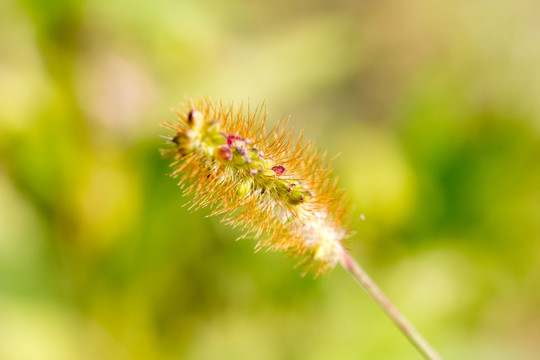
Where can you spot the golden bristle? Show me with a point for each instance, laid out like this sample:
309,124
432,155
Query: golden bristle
275,188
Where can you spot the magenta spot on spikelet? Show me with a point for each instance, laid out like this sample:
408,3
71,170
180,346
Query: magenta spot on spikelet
278,170
233,138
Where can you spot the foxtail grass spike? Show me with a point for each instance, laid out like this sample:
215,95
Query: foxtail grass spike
275,188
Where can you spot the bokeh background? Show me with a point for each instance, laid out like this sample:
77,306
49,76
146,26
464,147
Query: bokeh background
433,105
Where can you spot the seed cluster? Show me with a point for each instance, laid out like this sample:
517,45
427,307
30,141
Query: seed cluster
277,190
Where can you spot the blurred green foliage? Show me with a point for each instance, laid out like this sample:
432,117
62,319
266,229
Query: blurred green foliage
433,105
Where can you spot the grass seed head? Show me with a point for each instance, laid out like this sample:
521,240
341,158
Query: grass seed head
276,189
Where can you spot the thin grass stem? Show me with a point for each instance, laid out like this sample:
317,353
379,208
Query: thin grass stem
359,274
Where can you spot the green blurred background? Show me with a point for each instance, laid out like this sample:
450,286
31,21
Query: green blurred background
434,106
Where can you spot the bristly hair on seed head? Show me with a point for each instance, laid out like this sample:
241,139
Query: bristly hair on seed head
278,190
